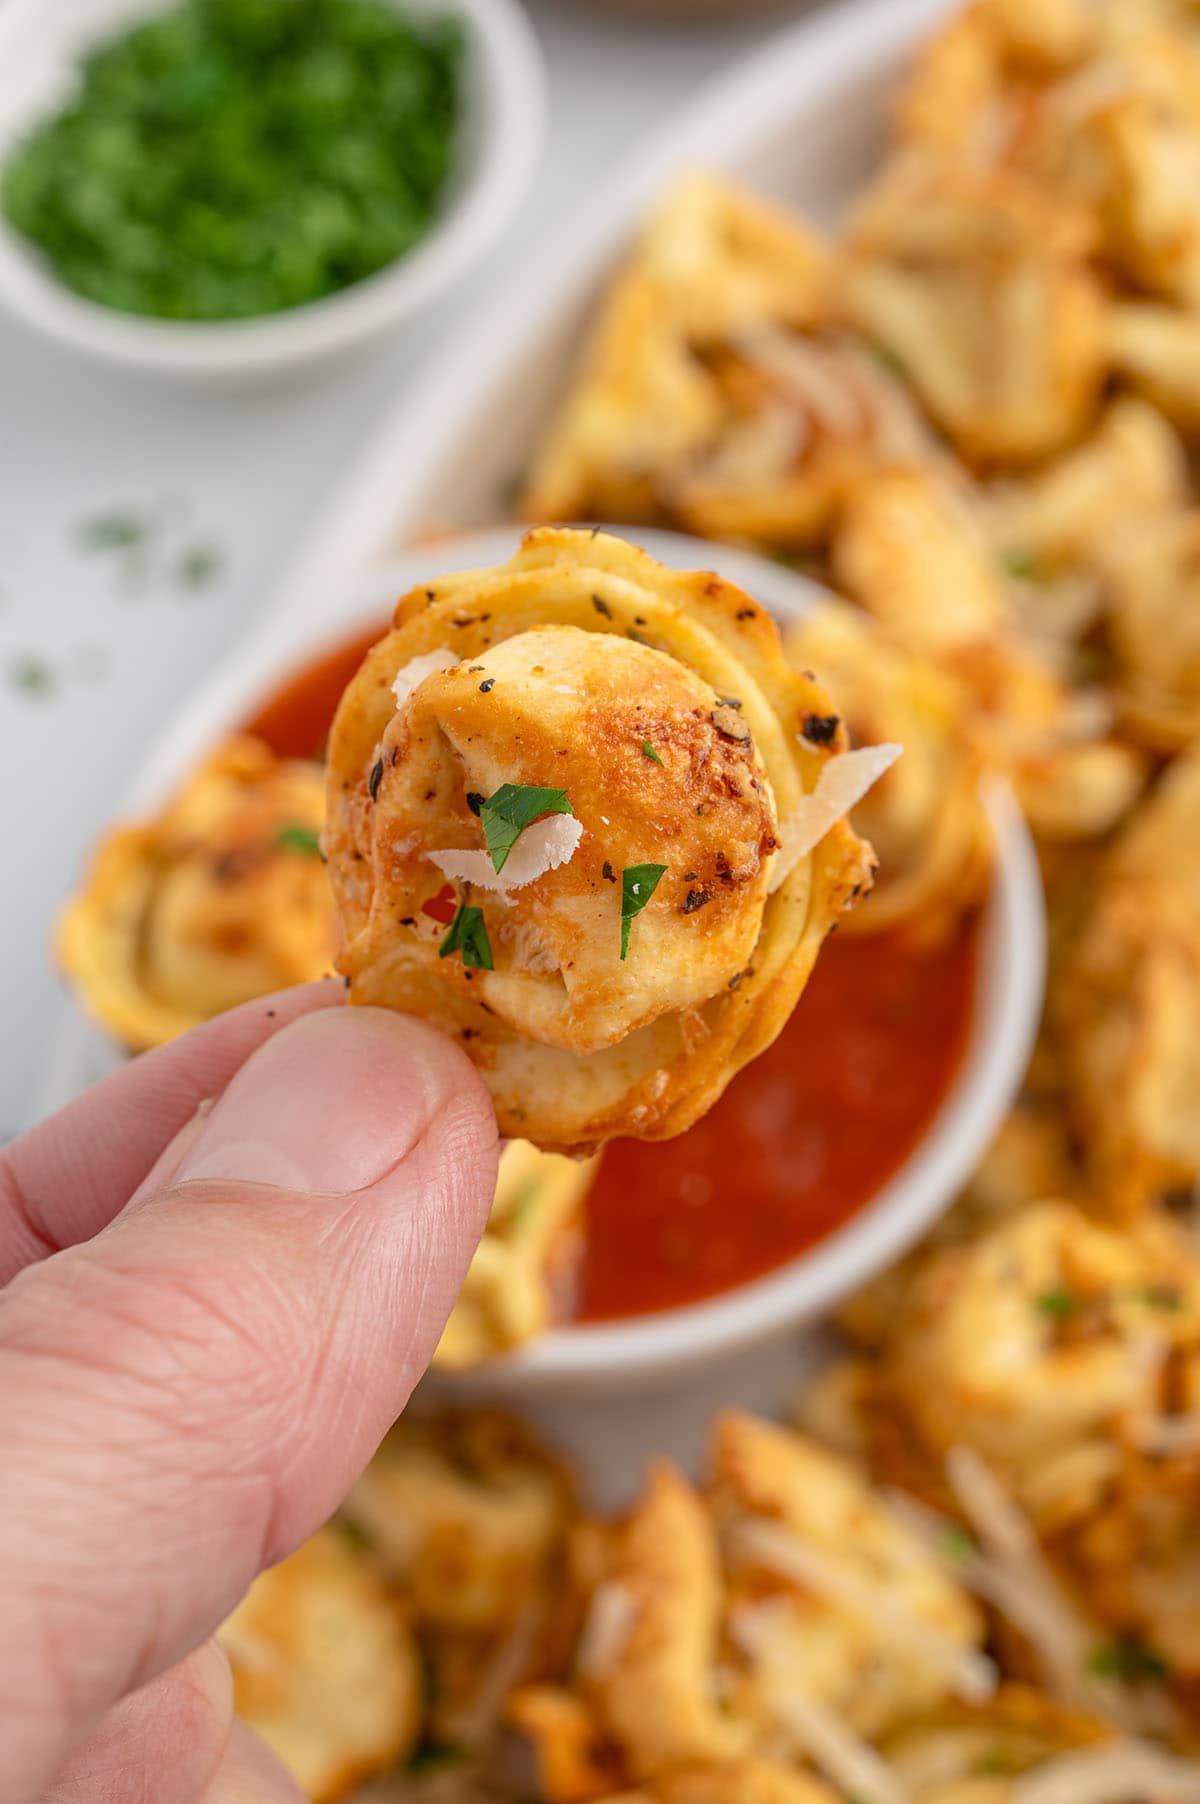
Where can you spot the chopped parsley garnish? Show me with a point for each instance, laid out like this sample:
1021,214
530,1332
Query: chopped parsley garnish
1058,1304
435,1757
220,159
638,884
1162,1296
514,807
295,837
34,676
468,935
1021,564
199,565
1128,1659
648,751
957,1544
120,530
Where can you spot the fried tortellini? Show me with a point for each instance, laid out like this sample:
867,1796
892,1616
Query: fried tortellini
220,898
916,557
325,1667
506,1299
925,816
630,812
1128,1004
982,291
719,392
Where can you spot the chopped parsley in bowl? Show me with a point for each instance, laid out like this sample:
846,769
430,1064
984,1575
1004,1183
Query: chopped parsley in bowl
234,158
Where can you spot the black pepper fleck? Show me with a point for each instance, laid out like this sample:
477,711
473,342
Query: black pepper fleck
747,613
696,898
376,779
607,872
820,728
601,606
486,688
408,920
474,801
472,668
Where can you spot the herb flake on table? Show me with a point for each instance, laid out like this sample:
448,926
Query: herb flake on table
468,935
638,884
515,806
32,676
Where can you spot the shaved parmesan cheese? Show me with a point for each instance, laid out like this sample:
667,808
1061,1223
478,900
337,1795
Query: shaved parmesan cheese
1122,1772
1166,1437
417,669
811,375
1019,1581
606,1630
841,786
542,847
966,1671
844,1758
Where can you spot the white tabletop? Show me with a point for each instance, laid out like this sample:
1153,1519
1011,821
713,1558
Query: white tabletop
92,661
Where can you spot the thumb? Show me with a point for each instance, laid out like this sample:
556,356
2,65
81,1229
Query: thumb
187,1396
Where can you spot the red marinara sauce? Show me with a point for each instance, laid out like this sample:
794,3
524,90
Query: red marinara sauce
296,720
800,1141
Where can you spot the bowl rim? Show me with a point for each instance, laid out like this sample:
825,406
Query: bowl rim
510,72
1010,982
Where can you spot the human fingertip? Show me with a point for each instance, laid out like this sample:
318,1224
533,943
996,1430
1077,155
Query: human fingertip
334,1102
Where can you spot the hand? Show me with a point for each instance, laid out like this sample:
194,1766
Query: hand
210,1317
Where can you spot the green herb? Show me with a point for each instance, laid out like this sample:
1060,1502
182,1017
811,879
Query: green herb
1128,1659
957,1545
33,676
638,884
996,1763
524,1202
295,837
1021,564
514,807
468,935
434,1757
198,565
1162,1296
648,751
357,1538
120,530
889,358
1058,1304
227,158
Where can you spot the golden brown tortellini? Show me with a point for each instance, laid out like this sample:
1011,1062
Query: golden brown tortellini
1152,607
718,393
220,898
507,1298
1128,1004
918,559
712,263
325,1667
981,289
627,811
925,816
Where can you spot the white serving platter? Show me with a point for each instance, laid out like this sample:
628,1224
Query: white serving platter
804,118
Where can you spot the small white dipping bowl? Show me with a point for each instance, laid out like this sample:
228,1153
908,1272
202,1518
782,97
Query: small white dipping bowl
501,130
642,1350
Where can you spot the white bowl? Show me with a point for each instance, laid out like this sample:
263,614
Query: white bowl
502,128
619,1355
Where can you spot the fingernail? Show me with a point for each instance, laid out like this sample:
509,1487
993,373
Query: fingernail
328,1106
